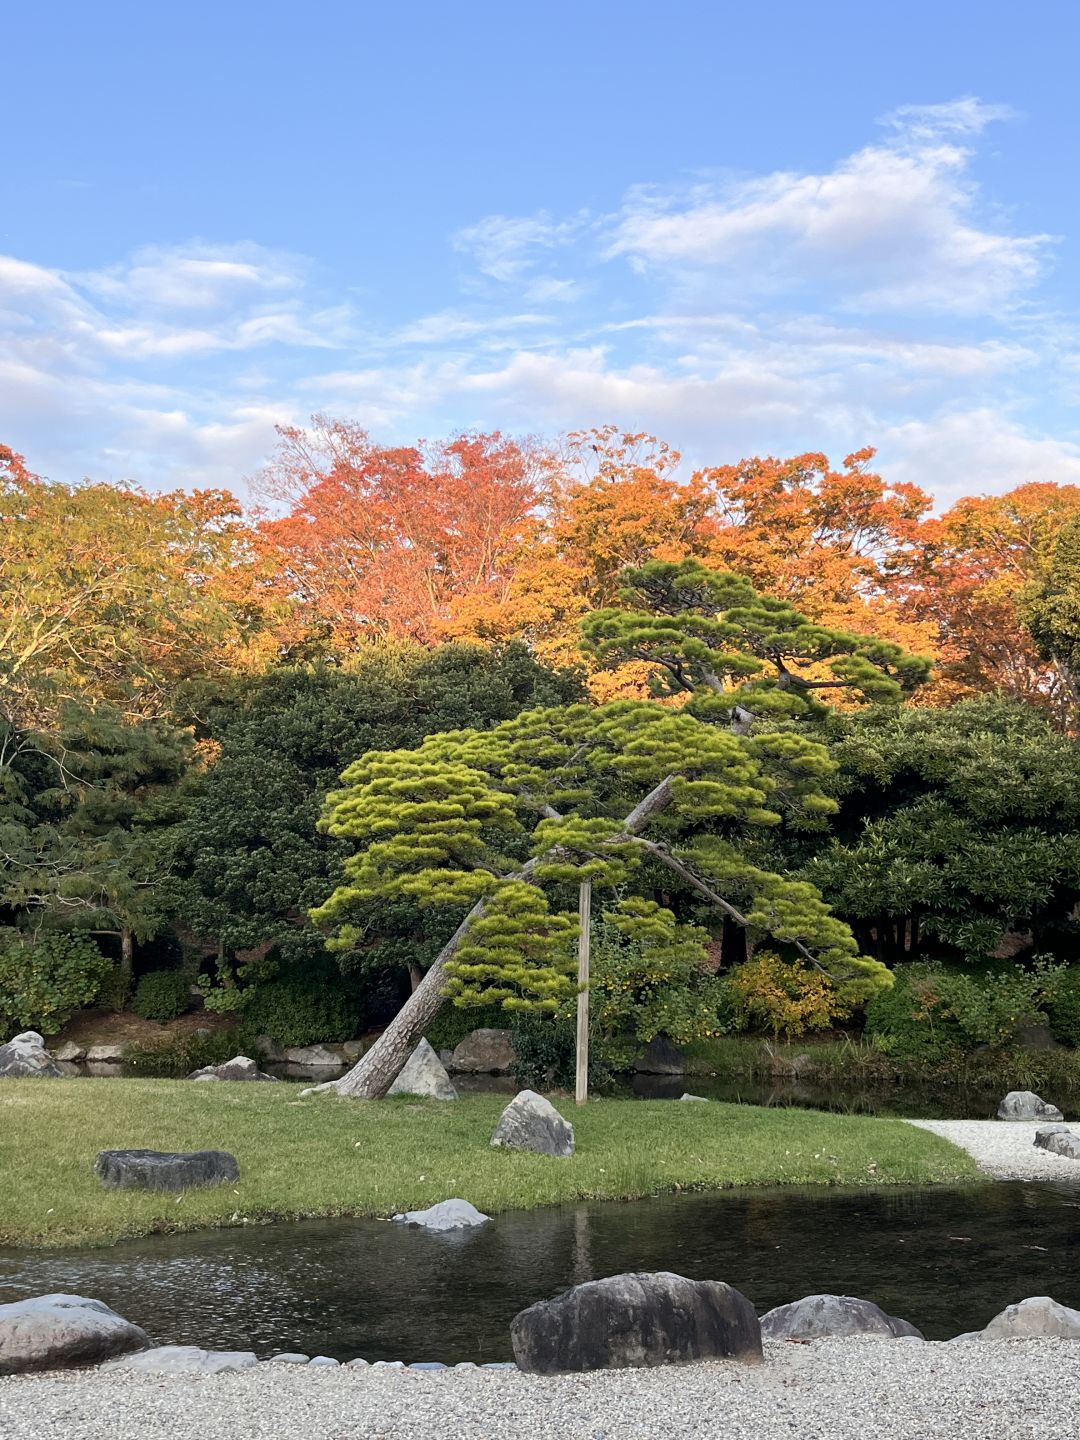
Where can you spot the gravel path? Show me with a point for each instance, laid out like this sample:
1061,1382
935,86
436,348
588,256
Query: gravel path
829,1390
1005,1148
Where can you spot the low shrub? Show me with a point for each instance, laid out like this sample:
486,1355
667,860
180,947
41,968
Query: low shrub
1063,1007
784,996
182,1054
295,1012
162,995
45,979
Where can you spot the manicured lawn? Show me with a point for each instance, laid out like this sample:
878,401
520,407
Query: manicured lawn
328,1156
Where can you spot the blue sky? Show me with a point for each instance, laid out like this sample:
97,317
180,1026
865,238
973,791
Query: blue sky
749,229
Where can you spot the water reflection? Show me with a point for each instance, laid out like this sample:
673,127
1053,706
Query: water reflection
947,1259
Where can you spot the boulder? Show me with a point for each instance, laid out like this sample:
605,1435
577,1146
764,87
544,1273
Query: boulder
185,1360
159,1170
790,1067
352,1050
69,1053
105,1054
530,1122
636,1320
1034,1318
424,1074
50,1331
484,1052
446,1215
1059,1140
268,1049
661,1057
1026,1105
238,1068
818,1316
315,1057
26,1055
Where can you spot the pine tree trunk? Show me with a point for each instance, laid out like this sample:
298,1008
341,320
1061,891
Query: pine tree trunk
127,965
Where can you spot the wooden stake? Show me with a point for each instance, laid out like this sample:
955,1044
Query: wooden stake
581,1090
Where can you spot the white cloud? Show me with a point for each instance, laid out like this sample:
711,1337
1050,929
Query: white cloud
894,226
975,452
194,277
504,247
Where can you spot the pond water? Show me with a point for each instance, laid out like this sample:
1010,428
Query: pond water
946,1259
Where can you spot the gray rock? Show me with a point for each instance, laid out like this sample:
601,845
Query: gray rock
790,1067
323,1362
51,1331
185,1360
358,1364
388,1365
818,1316
268,1049
1026,1105
289,1357
484,1052
445,1057
424,1075
530,1122
159,1170
427,1365
238,1068
446,1215
105,1054
687,1096
1035,1318
69,1053
661,1057
1059,1140
352,1050
636,1320
316,1057
25,1055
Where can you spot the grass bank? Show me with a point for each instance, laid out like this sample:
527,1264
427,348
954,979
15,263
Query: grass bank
327,1156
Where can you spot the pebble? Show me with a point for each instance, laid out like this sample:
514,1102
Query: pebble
1005,1149
827,1390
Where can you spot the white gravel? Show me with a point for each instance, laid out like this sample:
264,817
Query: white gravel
1005,1148
828,1390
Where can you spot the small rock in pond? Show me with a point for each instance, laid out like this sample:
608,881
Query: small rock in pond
185,1360
289,1357
1059,1140
530,1122
25,1055
446,1215
269,1049
324,1362
817,1316
69,1053
315,1057
1026,1105
661,1057
636,1320
240,1067
484,1052
159,1170
424,1074
48,1332
105,1054
1034,1318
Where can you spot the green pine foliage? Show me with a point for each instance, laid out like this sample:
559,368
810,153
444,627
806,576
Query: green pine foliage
518,954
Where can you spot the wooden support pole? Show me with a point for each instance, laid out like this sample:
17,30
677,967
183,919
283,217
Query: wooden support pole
581,1089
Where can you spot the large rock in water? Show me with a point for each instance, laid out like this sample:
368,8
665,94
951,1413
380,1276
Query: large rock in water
159,1170
484,1052
661,1057
185,1360
424,1074
636,1320
26,1055
1026,1105
817,1316
1059,1140
530,1122
1034,1318
238,1068
446,1215
50,1331
316,1057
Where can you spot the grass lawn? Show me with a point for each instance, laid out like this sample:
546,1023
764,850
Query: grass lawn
328,1156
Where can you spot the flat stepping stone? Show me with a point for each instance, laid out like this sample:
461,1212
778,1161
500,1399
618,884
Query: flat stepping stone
162,1170
185,1360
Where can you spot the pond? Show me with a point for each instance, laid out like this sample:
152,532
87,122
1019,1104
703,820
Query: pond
946,1259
